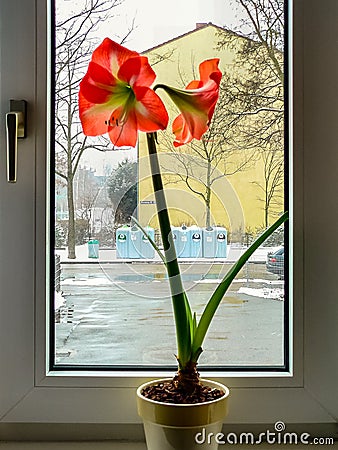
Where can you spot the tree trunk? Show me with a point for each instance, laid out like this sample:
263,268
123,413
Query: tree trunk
208,197
71,219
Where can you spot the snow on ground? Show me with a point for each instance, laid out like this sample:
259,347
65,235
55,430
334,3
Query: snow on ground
87,281
241,280
59,300
258,280
277,294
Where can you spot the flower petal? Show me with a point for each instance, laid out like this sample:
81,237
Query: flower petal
98,92
111,55
181,131
209,71
94,117
150,111
137,71
123,134
196,103
189,126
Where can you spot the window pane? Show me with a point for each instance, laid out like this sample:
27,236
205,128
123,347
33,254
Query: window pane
112,304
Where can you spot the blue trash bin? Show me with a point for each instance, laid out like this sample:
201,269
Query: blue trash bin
146,250
93,248
181,241
195,238
122,242
135,238
174,233
221,242
209,242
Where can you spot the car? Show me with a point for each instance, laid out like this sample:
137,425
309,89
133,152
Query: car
275,262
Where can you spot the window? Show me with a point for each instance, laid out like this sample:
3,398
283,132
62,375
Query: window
29,391
222,192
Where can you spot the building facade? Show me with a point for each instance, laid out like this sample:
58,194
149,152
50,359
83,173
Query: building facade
227,178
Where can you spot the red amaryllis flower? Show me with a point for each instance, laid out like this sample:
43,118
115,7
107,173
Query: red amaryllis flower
196,102
115,96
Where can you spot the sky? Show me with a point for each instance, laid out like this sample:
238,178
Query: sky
155,22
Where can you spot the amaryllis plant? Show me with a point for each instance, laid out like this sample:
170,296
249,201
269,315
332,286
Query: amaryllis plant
116,97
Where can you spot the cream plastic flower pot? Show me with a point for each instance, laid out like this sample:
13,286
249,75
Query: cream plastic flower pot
182,427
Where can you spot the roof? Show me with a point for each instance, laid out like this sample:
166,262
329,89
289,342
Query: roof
199,27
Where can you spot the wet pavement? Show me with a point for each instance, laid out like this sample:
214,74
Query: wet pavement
120,314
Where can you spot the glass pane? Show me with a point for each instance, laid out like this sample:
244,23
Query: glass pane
112,303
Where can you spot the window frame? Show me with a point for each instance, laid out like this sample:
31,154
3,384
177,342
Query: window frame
29,392
283,369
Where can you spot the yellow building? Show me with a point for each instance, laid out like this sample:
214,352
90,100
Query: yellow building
237,199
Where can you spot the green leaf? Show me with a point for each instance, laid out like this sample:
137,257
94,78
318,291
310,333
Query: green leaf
217,296
191,318
194,323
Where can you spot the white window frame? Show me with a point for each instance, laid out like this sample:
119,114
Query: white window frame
29,393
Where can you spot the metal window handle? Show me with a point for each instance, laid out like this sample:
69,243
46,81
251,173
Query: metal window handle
15,128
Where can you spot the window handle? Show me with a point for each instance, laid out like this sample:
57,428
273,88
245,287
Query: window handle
15,129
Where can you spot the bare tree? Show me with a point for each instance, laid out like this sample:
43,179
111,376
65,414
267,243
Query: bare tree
273,181
75,41
255,91
88,188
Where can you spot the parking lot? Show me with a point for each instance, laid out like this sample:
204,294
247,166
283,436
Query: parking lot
120,314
